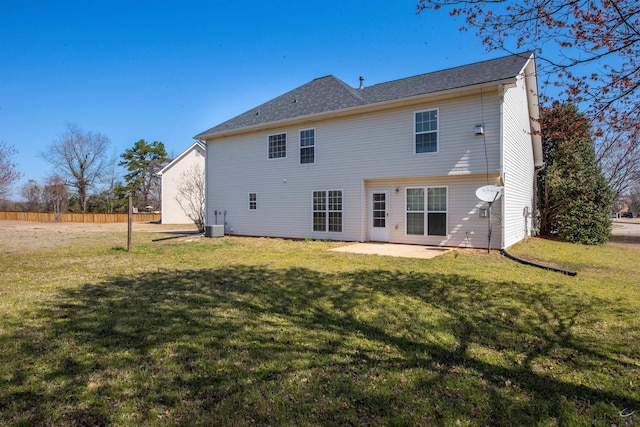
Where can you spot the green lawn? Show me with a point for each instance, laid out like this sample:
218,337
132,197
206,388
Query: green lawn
242,331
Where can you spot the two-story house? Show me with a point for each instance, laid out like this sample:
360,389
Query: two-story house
394,162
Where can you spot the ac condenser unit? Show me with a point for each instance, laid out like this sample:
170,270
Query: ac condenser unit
214,231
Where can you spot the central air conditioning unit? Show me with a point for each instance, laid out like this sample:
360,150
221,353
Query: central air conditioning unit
214,231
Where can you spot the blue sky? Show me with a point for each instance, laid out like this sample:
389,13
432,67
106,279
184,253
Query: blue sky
167,70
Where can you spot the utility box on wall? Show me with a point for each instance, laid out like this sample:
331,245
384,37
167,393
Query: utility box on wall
214,231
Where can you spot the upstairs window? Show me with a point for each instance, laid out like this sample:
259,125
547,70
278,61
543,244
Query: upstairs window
307,146
278,146
426,130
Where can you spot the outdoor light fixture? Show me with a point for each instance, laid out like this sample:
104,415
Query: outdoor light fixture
479,130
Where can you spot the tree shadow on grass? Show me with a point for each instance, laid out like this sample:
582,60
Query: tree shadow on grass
246,345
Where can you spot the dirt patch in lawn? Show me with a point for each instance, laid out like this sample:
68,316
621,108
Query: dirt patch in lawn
16,235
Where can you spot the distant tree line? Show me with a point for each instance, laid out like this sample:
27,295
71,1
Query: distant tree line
86,176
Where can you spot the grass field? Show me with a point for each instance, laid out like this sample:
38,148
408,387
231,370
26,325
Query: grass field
248,331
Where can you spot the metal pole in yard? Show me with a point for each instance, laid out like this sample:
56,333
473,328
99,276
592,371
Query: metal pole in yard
129,218
489,236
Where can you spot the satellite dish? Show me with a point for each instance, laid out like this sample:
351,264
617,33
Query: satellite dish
489,193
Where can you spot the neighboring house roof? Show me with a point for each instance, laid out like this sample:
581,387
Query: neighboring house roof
195,146
328,94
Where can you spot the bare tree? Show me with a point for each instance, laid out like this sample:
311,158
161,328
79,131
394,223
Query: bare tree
619,155
633,201
80,158
8,170
32,192
191,193
588,50
56,196
588,54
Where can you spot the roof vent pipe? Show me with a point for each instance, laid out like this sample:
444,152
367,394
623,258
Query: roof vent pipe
361,82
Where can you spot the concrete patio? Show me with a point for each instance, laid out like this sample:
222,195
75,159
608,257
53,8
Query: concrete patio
393,249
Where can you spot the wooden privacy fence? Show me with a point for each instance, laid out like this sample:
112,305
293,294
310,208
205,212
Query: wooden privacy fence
100,218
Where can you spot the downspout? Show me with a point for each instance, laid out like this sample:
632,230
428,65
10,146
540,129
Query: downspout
535,264
364,206
206,179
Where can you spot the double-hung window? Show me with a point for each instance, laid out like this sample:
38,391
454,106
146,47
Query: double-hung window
415,211
327,210
307,146
426,209
278,146
426,131
437,211
253,201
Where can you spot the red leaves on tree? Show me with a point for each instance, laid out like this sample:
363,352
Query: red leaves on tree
577,36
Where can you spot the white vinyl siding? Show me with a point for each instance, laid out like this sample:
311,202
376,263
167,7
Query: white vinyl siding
465,226
172,212
518,164
355,151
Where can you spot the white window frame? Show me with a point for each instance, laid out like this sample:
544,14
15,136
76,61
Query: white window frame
407,211
437,131
255,202
327,211
307,146
286,138
426,210
446,210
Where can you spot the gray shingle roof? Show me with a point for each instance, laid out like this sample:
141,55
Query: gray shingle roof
328,93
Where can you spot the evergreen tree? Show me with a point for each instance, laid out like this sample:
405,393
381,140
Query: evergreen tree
575,197
143,162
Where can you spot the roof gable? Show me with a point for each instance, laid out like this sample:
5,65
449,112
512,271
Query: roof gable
327,94
195,146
